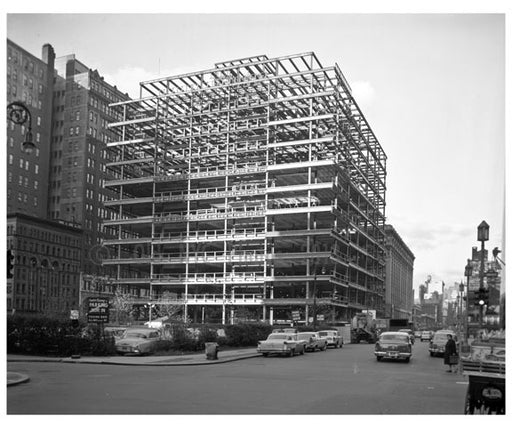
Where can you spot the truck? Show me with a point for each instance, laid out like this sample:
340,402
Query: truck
363,328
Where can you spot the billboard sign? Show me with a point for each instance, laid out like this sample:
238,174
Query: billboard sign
98,310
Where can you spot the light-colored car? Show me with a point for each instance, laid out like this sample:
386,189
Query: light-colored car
281,343
313,341
138,341
426,335
333,338
438,342
394,345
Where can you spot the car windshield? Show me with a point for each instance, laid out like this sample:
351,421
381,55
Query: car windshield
441,337
279,336
323,333
406,331
305,336
135,334
394,338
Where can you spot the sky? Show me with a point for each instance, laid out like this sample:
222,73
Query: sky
431,86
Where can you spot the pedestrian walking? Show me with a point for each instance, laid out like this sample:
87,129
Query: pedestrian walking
450,353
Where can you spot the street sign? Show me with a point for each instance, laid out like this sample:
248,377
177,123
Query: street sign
74,315
320,317
295,315
98,310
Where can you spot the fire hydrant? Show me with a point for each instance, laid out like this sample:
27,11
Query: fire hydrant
211,348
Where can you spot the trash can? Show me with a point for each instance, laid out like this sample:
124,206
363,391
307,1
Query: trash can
211,348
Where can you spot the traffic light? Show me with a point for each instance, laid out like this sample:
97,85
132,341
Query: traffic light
10,264
482,297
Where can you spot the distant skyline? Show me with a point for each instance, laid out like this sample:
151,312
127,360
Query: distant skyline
432,88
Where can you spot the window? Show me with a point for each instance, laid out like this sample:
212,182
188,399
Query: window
9,175
10,159
71,131
77,115
37,169
11,141
77,130
39,120
36,183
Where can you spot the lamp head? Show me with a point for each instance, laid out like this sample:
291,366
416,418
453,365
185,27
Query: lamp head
483,231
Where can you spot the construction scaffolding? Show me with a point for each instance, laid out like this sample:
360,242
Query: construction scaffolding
252,190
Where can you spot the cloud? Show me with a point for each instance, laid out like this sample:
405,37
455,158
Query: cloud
127,79
363,92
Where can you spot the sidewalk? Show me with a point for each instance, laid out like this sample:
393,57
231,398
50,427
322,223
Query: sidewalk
163,360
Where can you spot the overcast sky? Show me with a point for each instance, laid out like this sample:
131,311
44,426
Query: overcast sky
431,87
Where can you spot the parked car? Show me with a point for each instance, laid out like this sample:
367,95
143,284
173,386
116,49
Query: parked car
438,342
115,332
409,332
394,345
313,341
417,334
138,341
426,335
333,337
281,343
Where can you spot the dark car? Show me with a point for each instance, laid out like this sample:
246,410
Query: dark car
394,345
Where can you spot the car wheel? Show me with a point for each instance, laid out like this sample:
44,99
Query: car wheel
324,348
379,358
291,353
303,351
265,354
408,359
431,354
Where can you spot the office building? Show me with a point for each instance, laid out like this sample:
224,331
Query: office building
399,294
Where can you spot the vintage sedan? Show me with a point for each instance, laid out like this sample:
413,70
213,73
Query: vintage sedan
394,345
333,338
138,341
409,332
426,335
313,341
436,347
281,343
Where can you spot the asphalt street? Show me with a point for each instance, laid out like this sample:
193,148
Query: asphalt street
344,381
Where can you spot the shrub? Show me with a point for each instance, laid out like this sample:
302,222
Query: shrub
38,335
246,334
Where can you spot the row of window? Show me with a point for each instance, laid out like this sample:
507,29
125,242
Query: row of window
24,164
22,181
16,57
43,235
23,198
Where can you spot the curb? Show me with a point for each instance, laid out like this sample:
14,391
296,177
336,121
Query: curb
197,363
119,363
16,378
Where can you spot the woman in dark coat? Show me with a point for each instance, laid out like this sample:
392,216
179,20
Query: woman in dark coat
449,349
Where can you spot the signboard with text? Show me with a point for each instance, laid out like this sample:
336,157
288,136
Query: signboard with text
97,310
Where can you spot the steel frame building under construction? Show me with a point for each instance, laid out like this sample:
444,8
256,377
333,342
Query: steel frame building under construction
256,187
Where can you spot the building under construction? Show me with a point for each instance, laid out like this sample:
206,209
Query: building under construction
252,190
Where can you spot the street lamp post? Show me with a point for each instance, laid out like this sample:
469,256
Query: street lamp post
482,236
19,113
468,271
